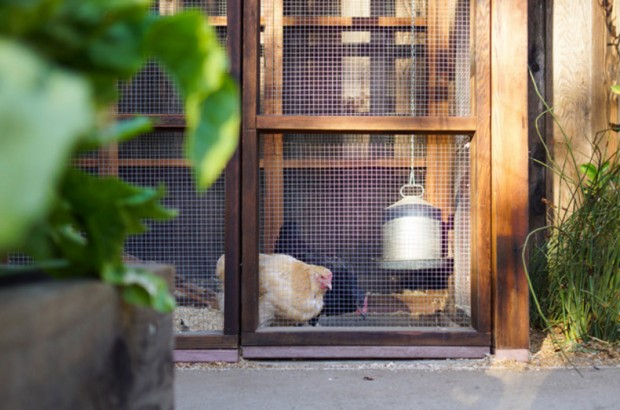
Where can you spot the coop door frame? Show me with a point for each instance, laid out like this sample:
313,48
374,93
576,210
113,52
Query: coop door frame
485,207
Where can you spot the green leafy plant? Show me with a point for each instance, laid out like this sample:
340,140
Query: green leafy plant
575,275
60,63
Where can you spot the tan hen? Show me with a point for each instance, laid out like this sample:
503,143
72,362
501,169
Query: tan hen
290,291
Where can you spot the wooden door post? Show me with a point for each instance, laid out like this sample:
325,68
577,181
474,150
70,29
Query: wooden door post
509,80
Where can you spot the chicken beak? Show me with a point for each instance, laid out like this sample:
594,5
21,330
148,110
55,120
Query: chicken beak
328,281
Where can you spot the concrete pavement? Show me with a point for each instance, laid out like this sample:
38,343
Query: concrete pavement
395,385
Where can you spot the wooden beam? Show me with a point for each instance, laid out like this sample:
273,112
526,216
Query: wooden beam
249,171
305,336
403,163
509,78
273,202
480,170
273,151
249,232
383,22
441,21
377,125
232,234
355,22
365,352
204,340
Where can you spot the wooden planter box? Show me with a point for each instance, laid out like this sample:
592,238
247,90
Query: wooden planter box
75,344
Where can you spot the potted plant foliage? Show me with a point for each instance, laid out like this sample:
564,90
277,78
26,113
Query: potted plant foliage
60,63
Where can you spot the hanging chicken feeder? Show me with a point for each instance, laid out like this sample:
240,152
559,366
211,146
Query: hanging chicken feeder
412,229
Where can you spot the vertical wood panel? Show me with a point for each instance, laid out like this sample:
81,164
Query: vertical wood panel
233,185
249,170
481,172
439,173
249,236
510,164
273,151
572,81
251,70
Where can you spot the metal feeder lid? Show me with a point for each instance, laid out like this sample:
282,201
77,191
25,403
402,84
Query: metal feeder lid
412,206
410,200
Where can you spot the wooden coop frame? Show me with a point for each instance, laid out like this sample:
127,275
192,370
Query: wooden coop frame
499,195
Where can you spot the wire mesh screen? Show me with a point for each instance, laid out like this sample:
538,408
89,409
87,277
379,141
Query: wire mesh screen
331,212
193,241
365,58
152,91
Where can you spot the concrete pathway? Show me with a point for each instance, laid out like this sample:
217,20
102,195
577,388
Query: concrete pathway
395,385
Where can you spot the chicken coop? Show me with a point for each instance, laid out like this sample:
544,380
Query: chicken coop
382,142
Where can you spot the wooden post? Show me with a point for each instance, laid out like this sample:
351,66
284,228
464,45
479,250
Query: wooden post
509,152
249,170
439,172
273,144
232,236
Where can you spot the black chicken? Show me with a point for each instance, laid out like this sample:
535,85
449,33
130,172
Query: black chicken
345,295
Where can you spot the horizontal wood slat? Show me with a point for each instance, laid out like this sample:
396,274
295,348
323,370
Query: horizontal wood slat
331,21
205,340
341,164
353,22
373,337
375,125
365,352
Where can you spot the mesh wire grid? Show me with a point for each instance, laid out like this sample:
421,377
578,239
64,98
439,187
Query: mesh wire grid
152,91
323,201
193,241
365,58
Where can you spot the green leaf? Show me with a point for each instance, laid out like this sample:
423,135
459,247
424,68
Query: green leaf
213,135
43,112
589,170
189,50
118,132
141,287
90,225
19,17
119,49
110,210
615,89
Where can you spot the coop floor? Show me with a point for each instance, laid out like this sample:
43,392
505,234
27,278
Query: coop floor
189,319
377,320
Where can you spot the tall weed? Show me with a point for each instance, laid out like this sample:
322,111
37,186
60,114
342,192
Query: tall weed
575,274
